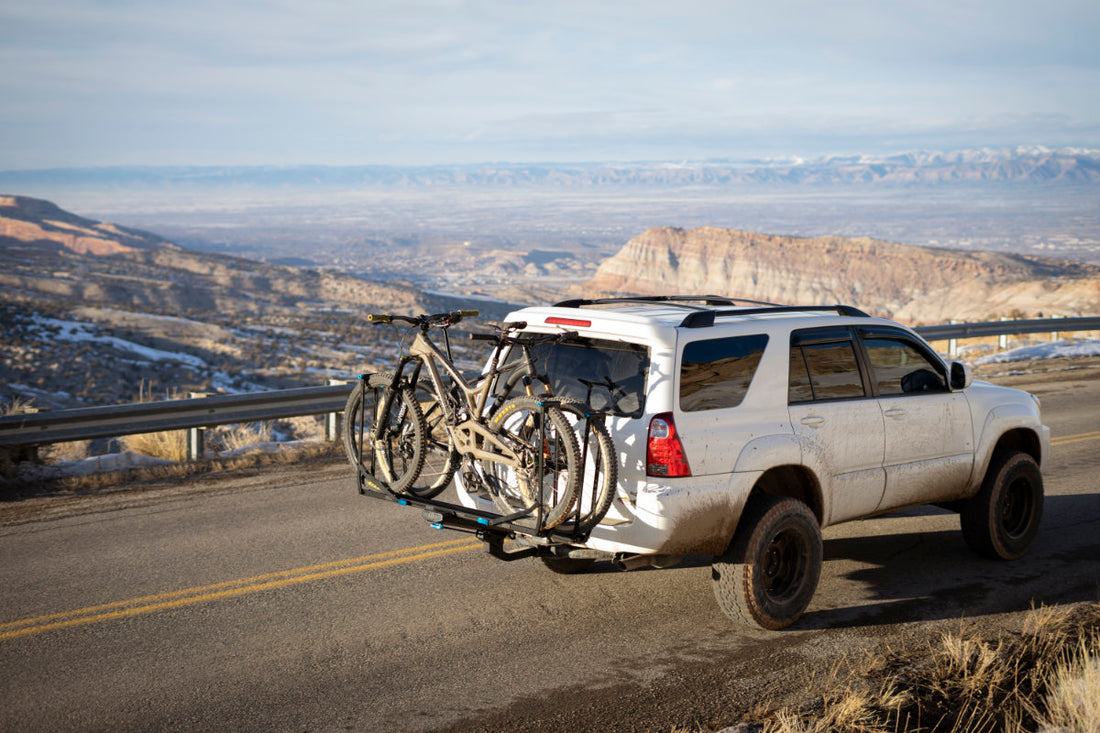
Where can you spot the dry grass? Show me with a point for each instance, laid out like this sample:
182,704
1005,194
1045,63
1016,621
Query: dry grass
170,444
240,435
16,406
1073,692
1046,677
17,487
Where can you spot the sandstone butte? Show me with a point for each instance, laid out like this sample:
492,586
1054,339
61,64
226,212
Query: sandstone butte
916,285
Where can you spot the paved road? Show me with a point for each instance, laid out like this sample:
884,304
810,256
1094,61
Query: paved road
284,601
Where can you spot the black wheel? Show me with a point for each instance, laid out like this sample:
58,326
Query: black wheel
397,457
770,571
358,419
600,468
440,457
548,471
567,565
1000,522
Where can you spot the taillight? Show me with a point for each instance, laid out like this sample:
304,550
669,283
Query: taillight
664,454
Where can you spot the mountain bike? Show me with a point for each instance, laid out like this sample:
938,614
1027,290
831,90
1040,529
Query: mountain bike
600,459
408,431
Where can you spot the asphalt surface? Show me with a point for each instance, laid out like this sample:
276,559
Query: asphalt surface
281,600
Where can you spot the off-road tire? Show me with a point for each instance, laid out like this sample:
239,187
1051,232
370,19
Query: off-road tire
769,573
1000,522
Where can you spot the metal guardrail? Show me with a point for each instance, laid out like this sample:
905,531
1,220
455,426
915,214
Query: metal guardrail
998,328
85,423
148,417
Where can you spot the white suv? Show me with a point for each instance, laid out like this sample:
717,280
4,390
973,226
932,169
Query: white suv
742,430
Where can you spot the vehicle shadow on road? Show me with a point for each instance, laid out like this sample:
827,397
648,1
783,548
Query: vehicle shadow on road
930,575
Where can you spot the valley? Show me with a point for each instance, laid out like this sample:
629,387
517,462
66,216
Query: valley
260,278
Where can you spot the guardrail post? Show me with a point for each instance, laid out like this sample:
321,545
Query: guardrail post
953,346
332,431
196,437
1002,340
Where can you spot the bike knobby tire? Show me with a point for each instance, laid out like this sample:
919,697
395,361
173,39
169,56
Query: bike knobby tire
396,457
599,467
546,482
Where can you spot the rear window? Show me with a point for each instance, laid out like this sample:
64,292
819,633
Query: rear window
716,373
610,376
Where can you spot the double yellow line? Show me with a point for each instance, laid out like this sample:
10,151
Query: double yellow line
1079,438
257,583
230,588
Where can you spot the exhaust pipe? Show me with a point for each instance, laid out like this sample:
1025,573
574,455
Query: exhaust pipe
633,562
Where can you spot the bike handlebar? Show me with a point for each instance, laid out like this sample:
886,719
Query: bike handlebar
424,321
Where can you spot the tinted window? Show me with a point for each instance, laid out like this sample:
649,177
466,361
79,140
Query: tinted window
608,375
799,389
823,366
899,368
716,373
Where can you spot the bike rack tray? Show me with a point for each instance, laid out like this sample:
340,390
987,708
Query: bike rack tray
488,526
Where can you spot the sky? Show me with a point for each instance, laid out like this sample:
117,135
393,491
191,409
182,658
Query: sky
421,82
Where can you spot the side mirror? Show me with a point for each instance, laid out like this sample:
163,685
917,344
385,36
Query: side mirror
961,375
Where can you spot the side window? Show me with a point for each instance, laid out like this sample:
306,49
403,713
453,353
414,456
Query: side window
899,368
824,366
716,373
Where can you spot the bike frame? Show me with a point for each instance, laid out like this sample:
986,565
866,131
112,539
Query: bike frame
469,434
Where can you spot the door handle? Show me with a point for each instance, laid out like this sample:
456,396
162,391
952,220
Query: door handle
813,421
895,412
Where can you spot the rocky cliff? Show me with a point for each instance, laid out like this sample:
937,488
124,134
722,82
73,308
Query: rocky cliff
911,284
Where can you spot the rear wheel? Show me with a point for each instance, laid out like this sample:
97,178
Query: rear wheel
440,458
599,466
770,571
1000,522
545,480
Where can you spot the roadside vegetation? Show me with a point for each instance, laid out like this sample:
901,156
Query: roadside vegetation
1045,677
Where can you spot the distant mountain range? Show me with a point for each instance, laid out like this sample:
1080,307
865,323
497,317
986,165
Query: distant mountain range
1030,165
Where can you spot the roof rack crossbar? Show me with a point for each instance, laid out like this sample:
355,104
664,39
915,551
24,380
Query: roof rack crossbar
679,301
705,319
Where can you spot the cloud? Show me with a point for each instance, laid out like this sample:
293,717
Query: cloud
290,81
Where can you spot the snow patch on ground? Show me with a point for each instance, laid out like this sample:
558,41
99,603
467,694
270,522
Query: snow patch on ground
99,464
77,332
1054,350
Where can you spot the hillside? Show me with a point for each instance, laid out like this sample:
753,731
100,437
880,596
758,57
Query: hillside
94,313
30,220
911,284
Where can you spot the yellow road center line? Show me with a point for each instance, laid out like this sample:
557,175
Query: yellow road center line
1078,438
229,589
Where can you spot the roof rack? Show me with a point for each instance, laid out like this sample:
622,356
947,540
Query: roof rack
683,301
705,319
703,314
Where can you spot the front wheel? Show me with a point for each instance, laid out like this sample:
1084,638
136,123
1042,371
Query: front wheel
770,571
1001,520
396,456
